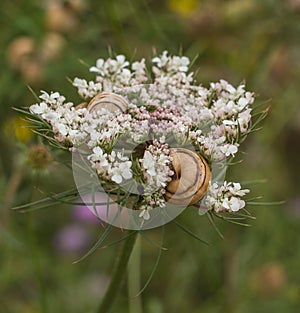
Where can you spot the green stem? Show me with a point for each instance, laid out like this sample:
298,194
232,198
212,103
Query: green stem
134,279
37,264
117,275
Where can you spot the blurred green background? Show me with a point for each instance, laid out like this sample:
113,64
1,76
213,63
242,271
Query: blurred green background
255,269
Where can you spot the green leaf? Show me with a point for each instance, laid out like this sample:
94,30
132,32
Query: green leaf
120,240
210,218
34,94
261,203
253,182
232,220
155,265
103,236
152,242
54,199
190,232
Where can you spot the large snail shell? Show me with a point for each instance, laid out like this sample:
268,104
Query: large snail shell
107,100
191,179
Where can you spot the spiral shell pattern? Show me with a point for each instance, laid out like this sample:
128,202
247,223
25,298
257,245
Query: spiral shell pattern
82,105
191,178
110,101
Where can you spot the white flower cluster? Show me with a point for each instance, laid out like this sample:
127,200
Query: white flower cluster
87,89
113,166
167,64
112,73
226,197
64,119
155,166
170,107
230,112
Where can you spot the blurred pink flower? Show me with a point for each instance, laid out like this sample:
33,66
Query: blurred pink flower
87,213
71,239
83,214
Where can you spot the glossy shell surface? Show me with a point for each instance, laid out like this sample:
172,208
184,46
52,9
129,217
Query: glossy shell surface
109,101
191,178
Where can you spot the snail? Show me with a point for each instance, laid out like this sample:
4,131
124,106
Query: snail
191,179
110,101
81,105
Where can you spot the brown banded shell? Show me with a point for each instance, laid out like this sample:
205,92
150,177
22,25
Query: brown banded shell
81,105
191,179
107,100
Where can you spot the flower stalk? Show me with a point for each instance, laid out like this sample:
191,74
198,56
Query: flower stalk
117,274
134,278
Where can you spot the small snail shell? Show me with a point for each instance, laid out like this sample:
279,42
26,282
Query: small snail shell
192,176
110,101
81,105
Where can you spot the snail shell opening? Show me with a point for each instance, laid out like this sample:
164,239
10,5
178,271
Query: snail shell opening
109,101
191,178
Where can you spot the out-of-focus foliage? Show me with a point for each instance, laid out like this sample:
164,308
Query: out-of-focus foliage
253,269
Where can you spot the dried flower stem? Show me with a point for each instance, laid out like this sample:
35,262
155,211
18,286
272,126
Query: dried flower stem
117,275
12,188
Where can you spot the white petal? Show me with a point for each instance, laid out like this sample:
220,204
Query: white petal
100,63
94,69
117,178
156,60
127,174
145,215
55,95
237,186
242,102
229,122
120,58
98,151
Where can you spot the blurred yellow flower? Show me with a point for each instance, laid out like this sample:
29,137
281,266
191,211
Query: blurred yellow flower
183,7
236,10
17,127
